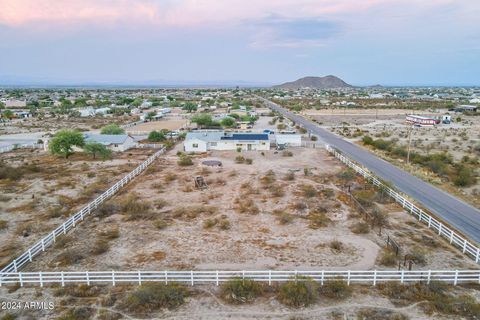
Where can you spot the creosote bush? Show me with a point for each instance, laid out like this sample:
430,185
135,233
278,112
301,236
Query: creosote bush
360,228
155,296
239,291
300,292
185,161
387,258
336,289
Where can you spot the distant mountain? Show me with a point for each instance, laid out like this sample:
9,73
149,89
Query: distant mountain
328,82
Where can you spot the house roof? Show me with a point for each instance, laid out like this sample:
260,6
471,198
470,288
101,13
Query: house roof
106,139
212,136
246,136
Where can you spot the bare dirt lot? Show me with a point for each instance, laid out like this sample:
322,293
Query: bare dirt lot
171,123
38,191
267,215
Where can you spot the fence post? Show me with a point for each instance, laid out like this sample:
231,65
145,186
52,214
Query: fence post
374,278
63,279
348,277
456,278
88,278
269,277
429,275
451,236
41,279
402,276
30,255
323,276
439,228
216,281
166,277
20,278
429,221
464,245
191,276
113,278
15,265
478,255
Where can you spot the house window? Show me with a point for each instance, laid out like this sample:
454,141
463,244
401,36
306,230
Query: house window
116,145
213,144
195,145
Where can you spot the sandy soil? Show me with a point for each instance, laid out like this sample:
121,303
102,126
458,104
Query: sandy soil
253,241
167,123
53,190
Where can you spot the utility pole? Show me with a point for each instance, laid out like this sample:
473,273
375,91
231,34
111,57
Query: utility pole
409,144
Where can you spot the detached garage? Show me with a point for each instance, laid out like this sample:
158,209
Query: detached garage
292,140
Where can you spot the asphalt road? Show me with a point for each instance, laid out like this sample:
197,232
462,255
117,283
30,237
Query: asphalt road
458,214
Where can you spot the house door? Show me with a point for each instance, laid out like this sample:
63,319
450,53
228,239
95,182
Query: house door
249,147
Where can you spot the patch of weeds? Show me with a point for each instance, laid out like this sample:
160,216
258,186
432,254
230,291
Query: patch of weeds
239,291
318,220
155,296
298,293
387,258
360,228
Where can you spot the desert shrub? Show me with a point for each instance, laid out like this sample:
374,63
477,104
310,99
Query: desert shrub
297,293
8,172
134,208
80,313
336,289
192,212
465,177
378,217
380,314
248,161
224,224
239,159
3,224
387,258
8,316
160,223
155,296
185,161
77,291
268,178
276,190
4,198
309,191
313,138
287,153
110,234
365,197
289,176
284,218
328,192
209,223
346,175
238,291
106,209
418,255
318,220
299,206
336,245
246,205
69,257
360,228
367,140
101,246
169,177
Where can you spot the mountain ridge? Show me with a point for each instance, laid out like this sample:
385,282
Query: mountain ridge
326,82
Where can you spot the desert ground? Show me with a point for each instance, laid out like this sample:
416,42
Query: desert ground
40,190
264,215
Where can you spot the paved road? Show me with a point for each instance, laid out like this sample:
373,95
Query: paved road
455,212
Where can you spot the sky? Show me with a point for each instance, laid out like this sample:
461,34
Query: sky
364,42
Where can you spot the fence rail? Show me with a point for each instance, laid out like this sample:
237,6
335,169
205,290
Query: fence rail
205,277
467,248
75,219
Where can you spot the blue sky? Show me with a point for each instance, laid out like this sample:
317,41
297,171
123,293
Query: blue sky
388,42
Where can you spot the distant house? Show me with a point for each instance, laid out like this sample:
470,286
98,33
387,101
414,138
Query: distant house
114,142
203,141
22,114
87,112
464,108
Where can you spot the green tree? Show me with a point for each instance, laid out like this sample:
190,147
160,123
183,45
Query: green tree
202,119
189,106
156,136
2,105
228,122
64,141
95,148
8,114
150,115
112,129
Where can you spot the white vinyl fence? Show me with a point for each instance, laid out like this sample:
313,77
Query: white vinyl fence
372,277
441,229
19,146
75,219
